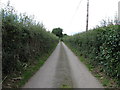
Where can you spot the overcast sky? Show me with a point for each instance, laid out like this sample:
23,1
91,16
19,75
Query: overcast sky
70,15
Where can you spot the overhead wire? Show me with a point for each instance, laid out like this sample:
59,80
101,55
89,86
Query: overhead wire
77,8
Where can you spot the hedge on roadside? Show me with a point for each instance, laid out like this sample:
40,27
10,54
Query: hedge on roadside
102,47
23,40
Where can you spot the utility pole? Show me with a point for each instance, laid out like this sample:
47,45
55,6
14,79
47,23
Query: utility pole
87,15
119,12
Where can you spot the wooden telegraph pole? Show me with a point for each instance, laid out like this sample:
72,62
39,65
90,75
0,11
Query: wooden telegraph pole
87,18
119,12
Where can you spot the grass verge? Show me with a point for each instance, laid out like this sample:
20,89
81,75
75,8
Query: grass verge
105,80
18,79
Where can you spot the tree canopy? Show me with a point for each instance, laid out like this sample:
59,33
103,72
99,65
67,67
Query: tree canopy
58,32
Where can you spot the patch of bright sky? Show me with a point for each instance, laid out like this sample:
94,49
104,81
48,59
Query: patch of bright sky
64,13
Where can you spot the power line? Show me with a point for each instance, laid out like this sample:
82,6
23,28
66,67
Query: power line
77,8
87,16
78,5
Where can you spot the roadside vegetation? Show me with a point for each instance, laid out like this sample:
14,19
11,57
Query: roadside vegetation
25,47
99,49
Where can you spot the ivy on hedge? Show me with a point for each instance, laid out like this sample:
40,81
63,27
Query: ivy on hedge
102,47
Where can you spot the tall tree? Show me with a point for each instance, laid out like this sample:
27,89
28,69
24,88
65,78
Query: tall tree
58,32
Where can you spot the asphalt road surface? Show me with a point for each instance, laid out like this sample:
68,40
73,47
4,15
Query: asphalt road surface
63,69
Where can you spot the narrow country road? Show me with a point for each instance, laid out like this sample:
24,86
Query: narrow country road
61,69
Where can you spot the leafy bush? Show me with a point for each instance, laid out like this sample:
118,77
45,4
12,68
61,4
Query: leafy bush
23,40
102,47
